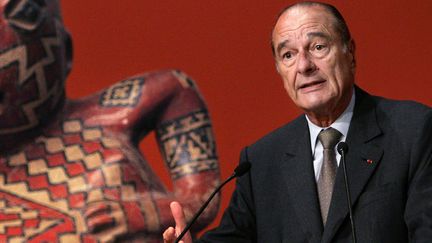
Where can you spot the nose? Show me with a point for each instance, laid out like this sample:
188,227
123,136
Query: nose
305,64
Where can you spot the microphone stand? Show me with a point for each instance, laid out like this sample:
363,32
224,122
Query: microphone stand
239,171
342,148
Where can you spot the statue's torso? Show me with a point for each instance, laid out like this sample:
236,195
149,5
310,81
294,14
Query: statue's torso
47,186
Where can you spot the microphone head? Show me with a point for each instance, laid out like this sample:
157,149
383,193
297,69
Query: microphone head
242,168
342,147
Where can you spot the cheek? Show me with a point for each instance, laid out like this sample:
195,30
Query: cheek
343,75
287,74
288,82
334,73
290,90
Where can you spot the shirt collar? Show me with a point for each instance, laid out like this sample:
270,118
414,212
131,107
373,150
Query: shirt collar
341,124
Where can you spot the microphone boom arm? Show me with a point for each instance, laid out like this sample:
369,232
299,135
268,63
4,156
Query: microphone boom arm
239,171
342,148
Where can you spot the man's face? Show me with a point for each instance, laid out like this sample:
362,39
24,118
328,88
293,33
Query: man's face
316,67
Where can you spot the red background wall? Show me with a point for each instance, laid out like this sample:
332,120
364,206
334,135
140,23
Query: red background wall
224,46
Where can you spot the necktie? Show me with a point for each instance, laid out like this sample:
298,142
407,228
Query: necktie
328,138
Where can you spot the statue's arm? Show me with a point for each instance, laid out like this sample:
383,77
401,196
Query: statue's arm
186,140
170,104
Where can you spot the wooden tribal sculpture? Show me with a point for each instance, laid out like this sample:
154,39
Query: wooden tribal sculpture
70,170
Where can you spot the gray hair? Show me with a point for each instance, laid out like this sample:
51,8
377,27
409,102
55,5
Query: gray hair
339,23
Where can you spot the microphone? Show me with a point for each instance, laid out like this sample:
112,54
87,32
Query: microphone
240,170
342,149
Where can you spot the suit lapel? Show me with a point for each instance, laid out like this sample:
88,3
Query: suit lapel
299,177
361,160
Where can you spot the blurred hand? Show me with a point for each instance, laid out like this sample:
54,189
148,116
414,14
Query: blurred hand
170,234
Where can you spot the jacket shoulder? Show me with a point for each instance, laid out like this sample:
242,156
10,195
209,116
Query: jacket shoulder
400,114
282,137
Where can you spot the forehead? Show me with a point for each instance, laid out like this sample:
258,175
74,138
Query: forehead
302,19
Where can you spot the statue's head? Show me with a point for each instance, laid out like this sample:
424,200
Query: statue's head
35,59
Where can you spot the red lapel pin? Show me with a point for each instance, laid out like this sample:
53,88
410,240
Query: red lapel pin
369,161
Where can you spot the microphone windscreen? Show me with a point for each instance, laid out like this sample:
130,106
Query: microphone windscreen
342,147
242,168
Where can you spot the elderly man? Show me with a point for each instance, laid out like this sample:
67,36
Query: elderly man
295,191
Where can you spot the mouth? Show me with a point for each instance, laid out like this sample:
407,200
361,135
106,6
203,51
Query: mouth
311,86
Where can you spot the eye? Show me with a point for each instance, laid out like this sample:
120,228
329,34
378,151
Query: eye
24,15
319,47
287,55
319,50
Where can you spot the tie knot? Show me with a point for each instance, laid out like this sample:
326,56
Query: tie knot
329,138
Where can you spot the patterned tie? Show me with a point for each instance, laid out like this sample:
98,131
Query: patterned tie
328,138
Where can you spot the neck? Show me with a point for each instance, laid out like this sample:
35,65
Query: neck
322,121
328,115
13,142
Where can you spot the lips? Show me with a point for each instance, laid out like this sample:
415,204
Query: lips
312,85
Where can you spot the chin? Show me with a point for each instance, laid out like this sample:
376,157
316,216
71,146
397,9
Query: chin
316,103
318,107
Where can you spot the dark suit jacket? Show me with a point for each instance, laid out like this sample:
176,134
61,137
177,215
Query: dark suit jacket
391,194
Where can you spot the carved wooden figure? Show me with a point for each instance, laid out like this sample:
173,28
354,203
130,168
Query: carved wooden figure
70,170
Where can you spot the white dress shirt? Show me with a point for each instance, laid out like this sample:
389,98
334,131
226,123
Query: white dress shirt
341,124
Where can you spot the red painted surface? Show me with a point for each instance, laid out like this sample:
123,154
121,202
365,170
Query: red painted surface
224,46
